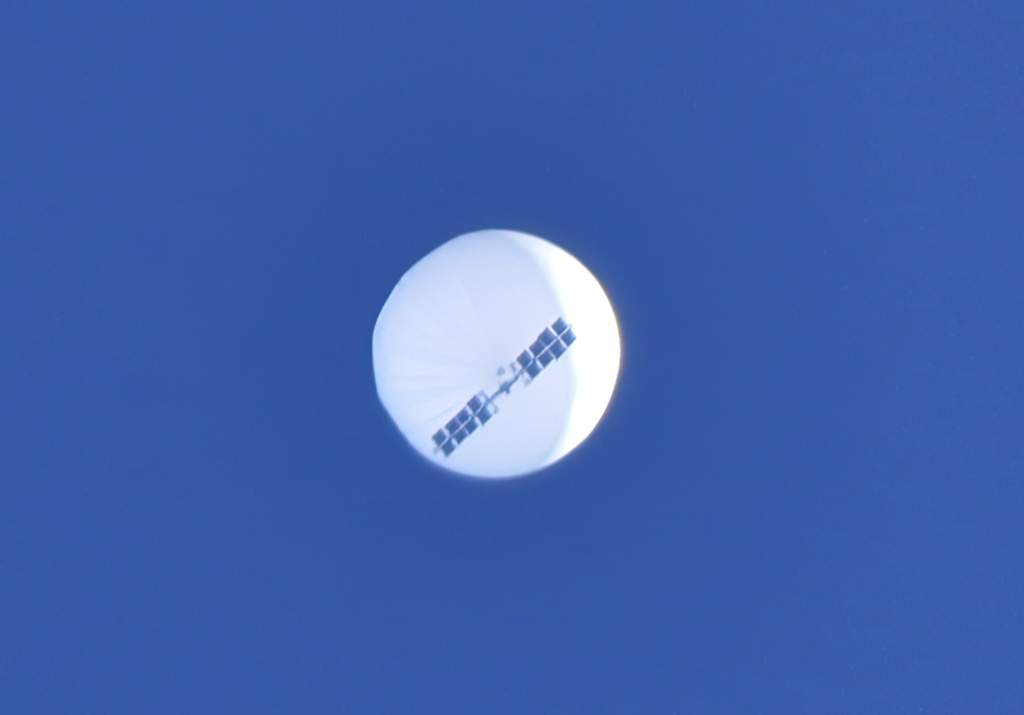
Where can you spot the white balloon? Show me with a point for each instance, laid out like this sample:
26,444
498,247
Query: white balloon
453,327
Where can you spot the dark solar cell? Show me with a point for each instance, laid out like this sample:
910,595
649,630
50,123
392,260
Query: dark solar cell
448,447
453,424
524,358
537,348
568,337
484,415
475,403
547,337
471,426
462,434
557,348
463,415
440,437
545,358
533,369
559,326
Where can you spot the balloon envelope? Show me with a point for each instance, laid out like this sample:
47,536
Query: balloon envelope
452,329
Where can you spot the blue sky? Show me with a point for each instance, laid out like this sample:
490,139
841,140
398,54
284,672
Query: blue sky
807,495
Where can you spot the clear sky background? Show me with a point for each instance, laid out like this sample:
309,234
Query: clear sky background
807,495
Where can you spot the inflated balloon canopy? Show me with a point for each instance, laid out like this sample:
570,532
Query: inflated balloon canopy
496,354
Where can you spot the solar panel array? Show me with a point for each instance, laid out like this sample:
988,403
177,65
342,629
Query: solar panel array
550,345
475,414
